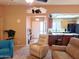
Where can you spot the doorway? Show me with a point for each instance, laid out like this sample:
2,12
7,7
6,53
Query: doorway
37,25
35,30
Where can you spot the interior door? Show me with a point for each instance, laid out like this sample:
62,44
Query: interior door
35,30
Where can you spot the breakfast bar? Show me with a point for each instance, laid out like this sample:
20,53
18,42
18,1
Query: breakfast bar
60,38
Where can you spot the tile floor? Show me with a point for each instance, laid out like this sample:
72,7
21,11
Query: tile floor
23,53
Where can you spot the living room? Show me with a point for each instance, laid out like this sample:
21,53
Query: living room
13,15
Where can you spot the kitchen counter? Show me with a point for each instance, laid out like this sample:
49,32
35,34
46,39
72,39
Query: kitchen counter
60,38
64,34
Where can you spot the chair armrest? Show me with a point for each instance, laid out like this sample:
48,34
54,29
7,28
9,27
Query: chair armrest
57,47
11,46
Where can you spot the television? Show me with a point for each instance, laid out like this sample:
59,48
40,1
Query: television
71,28
77,28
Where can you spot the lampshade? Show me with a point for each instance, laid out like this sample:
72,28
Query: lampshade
29,1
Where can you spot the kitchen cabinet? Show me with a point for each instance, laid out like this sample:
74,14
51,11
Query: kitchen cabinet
59,39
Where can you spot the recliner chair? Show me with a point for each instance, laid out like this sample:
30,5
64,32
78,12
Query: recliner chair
40,49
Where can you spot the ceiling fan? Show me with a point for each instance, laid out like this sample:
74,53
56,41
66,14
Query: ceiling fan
31,1
42,0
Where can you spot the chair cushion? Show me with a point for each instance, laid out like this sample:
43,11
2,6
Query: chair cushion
57,47
61,55
74,41
35,48
4,44
4,51
43,39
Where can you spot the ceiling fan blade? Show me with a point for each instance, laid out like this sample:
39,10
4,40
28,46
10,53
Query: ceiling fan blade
42,0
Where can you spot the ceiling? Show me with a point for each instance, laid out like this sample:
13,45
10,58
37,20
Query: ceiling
50,2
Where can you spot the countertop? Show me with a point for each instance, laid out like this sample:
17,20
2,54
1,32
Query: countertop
64,34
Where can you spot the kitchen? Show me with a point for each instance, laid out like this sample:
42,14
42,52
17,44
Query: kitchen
62,27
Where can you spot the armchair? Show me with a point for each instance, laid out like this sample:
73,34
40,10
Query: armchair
6,48
40,49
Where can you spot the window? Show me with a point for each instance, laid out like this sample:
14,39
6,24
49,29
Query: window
57,26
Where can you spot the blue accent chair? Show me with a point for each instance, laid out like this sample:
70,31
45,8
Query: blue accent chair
6,48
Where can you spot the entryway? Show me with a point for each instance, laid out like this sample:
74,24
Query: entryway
37,25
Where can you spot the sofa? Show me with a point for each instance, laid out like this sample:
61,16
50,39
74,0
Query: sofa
6,48
71,51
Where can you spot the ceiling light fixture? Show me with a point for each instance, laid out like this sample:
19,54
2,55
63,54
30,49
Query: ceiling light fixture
29,1
37,19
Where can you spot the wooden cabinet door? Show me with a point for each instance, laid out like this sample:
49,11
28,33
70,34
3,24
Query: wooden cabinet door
59,40
51,40
66,39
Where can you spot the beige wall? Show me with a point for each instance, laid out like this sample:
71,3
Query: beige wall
63,9
13,13
64,23
1,22
1,11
